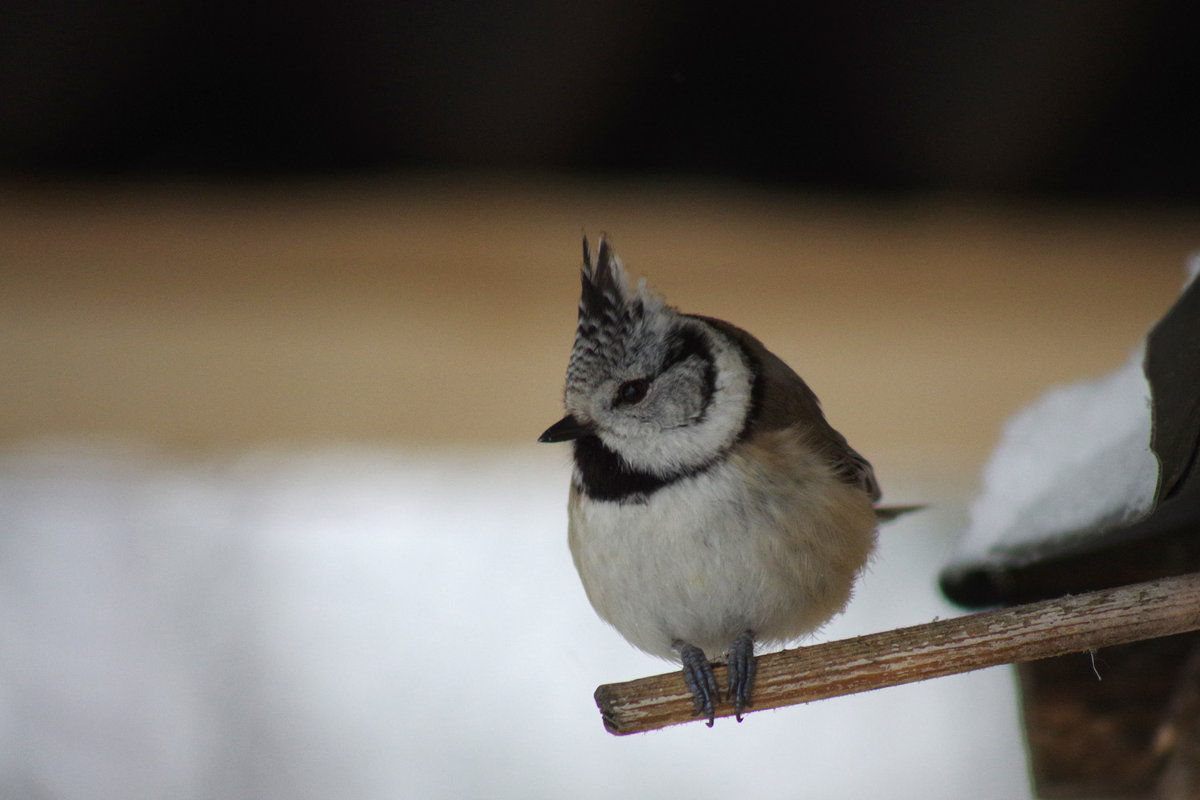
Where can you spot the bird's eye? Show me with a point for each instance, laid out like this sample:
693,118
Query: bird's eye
634,391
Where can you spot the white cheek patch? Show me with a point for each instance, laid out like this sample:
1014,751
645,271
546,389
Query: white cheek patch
689,447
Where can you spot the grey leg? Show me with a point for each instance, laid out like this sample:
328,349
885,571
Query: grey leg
698,674
741,672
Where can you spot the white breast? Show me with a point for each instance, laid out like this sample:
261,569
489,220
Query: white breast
768,541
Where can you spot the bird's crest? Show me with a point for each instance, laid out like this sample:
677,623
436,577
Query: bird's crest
612,314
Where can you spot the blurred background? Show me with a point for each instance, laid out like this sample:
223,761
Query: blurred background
1065,98
287,292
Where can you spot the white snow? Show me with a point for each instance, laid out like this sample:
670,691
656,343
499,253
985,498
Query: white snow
353,623
1076,462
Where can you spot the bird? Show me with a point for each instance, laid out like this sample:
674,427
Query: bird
712,508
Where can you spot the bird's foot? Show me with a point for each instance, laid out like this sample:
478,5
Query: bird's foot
698,674
742,667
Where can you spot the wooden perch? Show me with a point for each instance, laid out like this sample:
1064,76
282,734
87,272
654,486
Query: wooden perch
1062,626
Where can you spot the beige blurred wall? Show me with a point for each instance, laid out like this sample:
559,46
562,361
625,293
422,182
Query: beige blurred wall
442,310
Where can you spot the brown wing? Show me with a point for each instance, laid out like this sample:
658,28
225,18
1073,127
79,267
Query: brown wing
784,400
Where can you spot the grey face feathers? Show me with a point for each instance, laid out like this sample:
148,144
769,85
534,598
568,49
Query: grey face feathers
652,395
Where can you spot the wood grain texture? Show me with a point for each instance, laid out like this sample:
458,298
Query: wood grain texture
1024,633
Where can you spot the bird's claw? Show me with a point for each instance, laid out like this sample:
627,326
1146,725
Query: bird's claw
742,668
698,674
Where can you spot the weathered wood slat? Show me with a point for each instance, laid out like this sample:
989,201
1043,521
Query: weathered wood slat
1045,629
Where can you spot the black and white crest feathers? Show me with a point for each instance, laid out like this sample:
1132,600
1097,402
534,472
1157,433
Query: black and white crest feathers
610,314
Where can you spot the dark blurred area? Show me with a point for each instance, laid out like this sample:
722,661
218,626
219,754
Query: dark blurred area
1075,99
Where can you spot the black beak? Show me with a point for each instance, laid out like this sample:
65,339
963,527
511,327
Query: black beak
564,430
